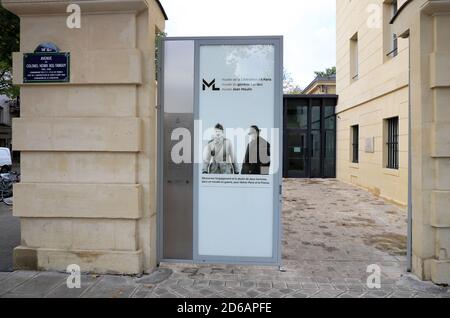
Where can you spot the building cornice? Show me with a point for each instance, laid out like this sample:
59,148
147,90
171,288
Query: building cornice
39,7
436,7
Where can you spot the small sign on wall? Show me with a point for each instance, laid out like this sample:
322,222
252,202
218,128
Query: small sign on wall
46,65
370,148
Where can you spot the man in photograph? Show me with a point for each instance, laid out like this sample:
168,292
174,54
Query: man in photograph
218,155
257,156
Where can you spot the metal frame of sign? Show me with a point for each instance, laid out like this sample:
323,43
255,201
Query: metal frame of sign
277,42
65,80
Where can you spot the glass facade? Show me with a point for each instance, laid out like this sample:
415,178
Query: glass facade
310,136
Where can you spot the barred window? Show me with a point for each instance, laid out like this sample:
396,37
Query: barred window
392,143
355,143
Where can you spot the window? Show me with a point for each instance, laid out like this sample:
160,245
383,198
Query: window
394,51
354,63
297,114
355,143
390,40
392,143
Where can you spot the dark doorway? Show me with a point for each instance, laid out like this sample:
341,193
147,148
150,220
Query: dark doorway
309,136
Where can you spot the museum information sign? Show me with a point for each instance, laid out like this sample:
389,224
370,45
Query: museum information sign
238,177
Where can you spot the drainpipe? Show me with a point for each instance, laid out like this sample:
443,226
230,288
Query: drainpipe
410,210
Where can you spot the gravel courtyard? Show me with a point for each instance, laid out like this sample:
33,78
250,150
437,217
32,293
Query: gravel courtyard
332,232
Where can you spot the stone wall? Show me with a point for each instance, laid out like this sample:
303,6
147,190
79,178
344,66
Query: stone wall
88,147
379,93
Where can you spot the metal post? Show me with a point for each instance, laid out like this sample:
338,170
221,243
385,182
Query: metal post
410,216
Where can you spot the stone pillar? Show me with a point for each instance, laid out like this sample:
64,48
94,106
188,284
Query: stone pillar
439,196
427,24
88,147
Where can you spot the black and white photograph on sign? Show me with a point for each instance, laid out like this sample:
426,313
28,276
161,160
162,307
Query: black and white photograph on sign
219,156
257,155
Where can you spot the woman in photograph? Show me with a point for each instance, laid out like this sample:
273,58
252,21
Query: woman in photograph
218,155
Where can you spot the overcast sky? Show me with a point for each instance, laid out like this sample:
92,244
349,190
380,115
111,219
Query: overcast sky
308,27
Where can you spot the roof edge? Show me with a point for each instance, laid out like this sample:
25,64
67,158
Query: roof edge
329,79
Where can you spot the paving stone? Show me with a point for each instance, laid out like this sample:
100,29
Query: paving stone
425,295
168,295
142,291
279,285
14,280
232,284
157,276
62,291
310,286
263,290
294,285
184,292
356,287
41,284
325,286
265,284
160,291
376,294
253,293
248,284
169,283
206,292
216,283
329,293
201,283
351,294
303,294
321,280
401,294
229,294
4,275
305,280
112,287
275,294
186,282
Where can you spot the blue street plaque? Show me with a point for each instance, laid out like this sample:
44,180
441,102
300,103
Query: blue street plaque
43,67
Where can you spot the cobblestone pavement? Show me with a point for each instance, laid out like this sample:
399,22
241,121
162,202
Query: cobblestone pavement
332,232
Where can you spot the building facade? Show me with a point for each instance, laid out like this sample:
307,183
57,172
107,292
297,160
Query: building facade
393,73
372,84
322,85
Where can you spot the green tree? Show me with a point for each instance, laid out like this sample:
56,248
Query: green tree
327,73
9,42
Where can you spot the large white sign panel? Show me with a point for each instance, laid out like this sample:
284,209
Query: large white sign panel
236,175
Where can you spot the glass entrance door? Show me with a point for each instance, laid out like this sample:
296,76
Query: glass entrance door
297,150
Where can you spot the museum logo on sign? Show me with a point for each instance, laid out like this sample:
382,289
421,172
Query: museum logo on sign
211,85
